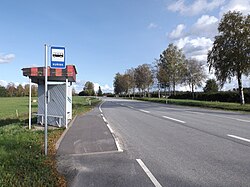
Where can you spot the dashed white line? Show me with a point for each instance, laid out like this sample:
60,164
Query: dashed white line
117,142
100,107
130,107
145,111
104,119
173,119
242,120
240,138
195,112
149,174
111,130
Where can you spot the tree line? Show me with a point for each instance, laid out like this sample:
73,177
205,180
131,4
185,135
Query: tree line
17,91
228,58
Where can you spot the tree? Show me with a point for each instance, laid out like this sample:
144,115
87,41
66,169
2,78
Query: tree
34,91
118,84
143,77
163,78
99,93
195,74
19,91
211,86
11,89
3,91
26,89
131,80
172,65
229,56
88,89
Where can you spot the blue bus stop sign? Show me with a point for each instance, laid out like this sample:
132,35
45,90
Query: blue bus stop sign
57,57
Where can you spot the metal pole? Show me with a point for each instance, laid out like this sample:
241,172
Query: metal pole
66,104
46,102
30,104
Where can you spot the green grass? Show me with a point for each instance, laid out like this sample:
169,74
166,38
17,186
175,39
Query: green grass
83,104
204,104
21,150
12,105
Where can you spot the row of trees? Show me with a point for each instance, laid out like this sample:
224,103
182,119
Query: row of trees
228,58
140,78
17,91
170,70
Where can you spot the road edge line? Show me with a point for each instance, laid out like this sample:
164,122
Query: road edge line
118,146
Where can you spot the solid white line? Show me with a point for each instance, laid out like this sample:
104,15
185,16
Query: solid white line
149,174
144,111
173,119
237,137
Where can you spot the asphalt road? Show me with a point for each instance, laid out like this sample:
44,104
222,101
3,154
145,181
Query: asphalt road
167,145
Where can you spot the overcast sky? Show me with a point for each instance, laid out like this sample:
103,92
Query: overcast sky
105,37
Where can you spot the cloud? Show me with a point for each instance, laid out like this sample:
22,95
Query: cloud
196,48
78,85
205,26
177,32
6,58
152,26
238,5
196,7
105,89
3,83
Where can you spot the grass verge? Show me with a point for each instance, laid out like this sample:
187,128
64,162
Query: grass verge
21,150
204,104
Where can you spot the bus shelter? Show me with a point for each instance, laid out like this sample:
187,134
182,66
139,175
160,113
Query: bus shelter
59,94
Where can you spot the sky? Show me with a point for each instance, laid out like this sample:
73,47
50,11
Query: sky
103,37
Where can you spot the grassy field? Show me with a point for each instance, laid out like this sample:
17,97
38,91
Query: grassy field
204,104
10,106
21,150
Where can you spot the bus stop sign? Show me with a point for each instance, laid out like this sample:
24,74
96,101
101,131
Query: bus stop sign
57,57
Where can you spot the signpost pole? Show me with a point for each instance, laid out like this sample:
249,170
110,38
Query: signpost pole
30,104
46,102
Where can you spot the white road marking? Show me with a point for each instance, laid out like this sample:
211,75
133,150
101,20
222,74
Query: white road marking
104,119
100,107
242,120
195,112
237,137
173,119
149,174
237,119
111,130
130,107
77,141
145,111
117,142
